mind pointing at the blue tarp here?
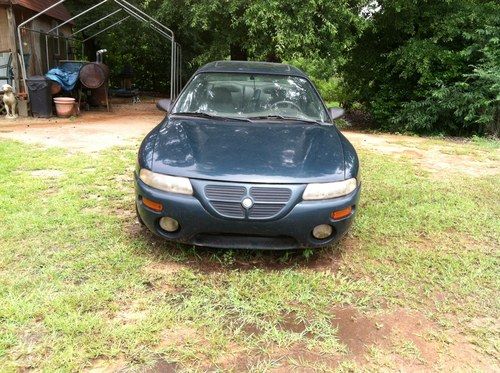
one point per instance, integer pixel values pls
(66, 79)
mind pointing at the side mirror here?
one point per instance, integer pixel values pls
(336, 112)
(165, 104)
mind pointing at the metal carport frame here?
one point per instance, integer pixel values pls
(175, 62)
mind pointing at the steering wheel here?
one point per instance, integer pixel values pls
(287, 103)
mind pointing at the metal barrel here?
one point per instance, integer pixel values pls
(94, 75)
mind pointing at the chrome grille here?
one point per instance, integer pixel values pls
(264, 210)
(263, 194)
(226, 200)
(230, 209)
(225, 192)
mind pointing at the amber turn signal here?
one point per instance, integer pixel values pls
(153, 205)
(336, 215)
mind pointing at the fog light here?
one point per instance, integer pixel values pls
(322, 231)
(169, 224)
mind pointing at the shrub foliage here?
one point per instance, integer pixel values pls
(429, 66)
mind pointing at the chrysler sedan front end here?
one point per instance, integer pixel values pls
(248, 157)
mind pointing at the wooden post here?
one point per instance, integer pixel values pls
(11, 19)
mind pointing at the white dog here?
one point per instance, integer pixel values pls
(10, 101)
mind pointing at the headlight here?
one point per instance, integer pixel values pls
(166, 183)
(329, 190)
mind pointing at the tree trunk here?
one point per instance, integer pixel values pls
(238, 53)
(272, 57)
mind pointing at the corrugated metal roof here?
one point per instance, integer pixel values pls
(59, 12)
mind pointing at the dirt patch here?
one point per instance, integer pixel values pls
(462, 354)
(402, 338)
(293, 323)
(251, 329)
(93, 131)
(389, 333)
(120, 365)
(433, 158)
(162, 366)
(163, 268)
(357, 332)
(179, 336)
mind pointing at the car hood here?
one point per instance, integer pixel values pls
(258, 152)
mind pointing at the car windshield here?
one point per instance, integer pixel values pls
(252, 96)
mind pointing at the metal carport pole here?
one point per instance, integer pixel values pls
(106, 29)
(78, 15)
(96, 22)
(137, 16)
(179, 73)
(173, 69)
(173, 62)
(129, 8)
(127, 4)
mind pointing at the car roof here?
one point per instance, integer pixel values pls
(251, 67)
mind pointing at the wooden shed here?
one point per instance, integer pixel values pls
(41, 51)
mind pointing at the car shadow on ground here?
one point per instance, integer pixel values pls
(206, 259)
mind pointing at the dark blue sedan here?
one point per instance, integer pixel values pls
(248, 157)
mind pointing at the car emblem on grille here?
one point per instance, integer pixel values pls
(247, 203)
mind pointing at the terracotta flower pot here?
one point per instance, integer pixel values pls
(65, 106)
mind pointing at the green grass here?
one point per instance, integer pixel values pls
(80, 281)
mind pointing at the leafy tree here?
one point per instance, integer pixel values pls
(270, 30)
(429, 66)
(318, 31)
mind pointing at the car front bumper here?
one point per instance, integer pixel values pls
(201, 227)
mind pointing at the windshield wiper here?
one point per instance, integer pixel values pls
(209, 116)
(281, 117)
(268, 117)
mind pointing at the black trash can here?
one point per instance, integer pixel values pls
(39, 88)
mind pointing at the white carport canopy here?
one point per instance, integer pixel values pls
(132, 11)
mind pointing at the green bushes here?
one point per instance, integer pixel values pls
(329, 89)
(323, 73)
(429, 67)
